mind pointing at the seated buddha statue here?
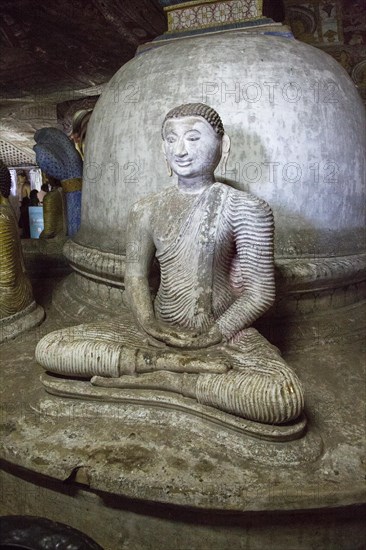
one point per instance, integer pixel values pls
(18, 310)
(53, 212)
(214, 247)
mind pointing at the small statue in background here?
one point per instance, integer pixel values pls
(57, 156)
(18, 310)
(53, 212)
(23, 186)
(214, 245)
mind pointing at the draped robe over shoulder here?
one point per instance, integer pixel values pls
(185, 295)
(221, 261)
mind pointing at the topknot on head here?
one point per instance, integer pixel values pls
(197, 109)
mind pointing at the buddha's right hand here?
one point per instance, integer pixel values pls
(171, 336)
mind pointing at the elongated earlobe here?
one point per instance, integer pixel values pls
(168, 167)
(225, 152)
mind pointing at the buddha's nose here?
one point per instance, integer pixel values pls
(180, 148)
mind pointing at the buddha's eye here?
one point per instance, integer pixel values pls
(193, 138)
(170, 139)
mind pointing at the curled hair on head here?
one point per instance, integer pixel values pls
(5, 181)
(197, 109)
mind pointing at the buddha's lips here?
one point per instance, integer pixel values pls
(183, 163)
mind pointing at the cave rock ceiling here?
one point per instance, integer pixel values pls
(52, 52)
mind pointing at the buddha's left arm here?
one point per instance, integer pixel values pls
(252, 225)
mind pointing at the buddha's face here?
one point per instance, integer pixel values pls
(192, 147)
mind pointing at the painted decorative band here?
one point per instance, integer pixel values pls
(259, 26)
(174, 5)
(206, 13)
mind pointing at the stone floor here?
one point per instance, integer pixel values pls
(137, 477)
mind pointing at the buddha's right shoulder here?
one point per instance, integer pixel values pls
(152, 201)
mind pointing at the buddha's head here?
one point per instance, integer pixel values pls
(194, 140)
(22, 178)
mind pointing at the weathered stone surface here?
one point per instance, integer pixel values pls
(307, 121)
(129, 476)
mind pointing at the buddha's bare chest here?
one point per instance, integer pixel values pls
(169, 215)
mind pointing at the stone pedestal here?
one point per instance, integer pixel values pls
(20, 322)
